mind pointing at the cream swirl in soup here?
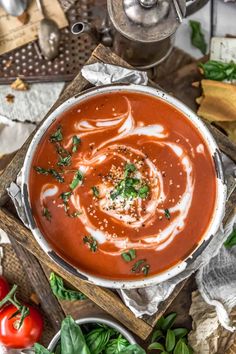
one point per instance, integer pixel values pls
(123, 185)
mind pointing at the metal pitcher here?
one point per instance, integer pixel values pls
(141, 31)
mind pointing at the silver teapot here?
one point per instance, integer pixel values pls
(141, 31)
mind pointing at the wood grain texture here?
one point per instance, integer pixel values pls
(40, 284)
(104, 298)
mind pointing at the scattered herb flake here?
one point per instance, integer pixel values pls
(129, 256)
(51, 172)
(78, 177)
(145, 269)
(75, 214)
(65, 196)
(76, 141)
(167, 214)
(144, 191)
(46, 213)
(95, 191)
(56, 136)
(137, 265)
(64, 161)
(91, 242)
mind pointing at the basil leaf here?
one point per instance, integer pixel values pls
(156, 345)
(133, 349)
(56, 136)
(58, 348)
(95, 191)
(160, 322)
(219, 71)
(41, 170)
(65, 196)
(54, 173)
(78, 177)
(197, 37)
(39, 349)
(61, 292)
(180, 332)
(167, 214)
(168, 321)
(145, 269)
(129, 256)
(98, 338)
(64, 161)
(231, 240)
(136, 267)
(76, 141)
(72, 338)
(114, 346)
(170, 340)
(157, 334)
(181, 348)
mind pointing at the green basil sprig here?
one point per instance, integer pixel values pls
(219, 71)
(197, 37)
(168, 340)
(61, 292)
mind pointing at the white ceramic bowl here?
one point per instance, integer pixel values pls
(110, 323)
(220, 186)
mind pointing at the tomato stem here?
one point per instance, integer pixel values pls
(8, 297)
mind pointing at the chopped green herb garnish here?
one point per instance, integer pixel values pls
(129, 168)
(130, 187)
(65, 196)
(95, 191)
(75, 214)
(137, 266)
(231, 240)
(41, 171)
(145, 269)
(129, 256)
(91, 242)
(78, 177)
(61, 151)
(64, 161)
(56, 136)
(218, 70)
(167, 214)
(143, 191)
(76, 141)
(46, 213)
(51, 172)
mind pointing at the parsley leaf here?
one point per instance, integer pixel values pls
(91, 242)
(56, 136)
(78, 177)
(76, 141)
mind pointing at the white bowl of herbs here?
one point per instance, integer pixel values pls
(92, 335)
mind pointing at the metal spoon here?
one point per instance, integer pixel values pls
(14, 7)
(49, 35)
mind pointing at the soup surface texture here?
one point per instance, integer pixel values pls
(122, 185)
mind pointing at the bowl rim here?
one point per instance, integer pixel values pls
(221, 189)
(125, 333)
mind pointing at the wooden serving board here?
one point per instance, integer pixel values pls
(35, 259)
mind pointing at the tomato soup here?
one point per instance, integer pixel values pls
(122, 185)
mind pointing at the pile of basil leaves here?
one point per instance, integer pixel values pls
(92, 339)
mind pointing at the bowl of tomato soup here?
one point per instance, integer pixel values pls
(123, 186)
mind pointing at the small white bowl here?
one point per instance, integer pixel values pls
(110, 323)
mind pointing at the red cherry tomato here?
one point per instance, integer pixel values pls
(4, 288)
(24, 337)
